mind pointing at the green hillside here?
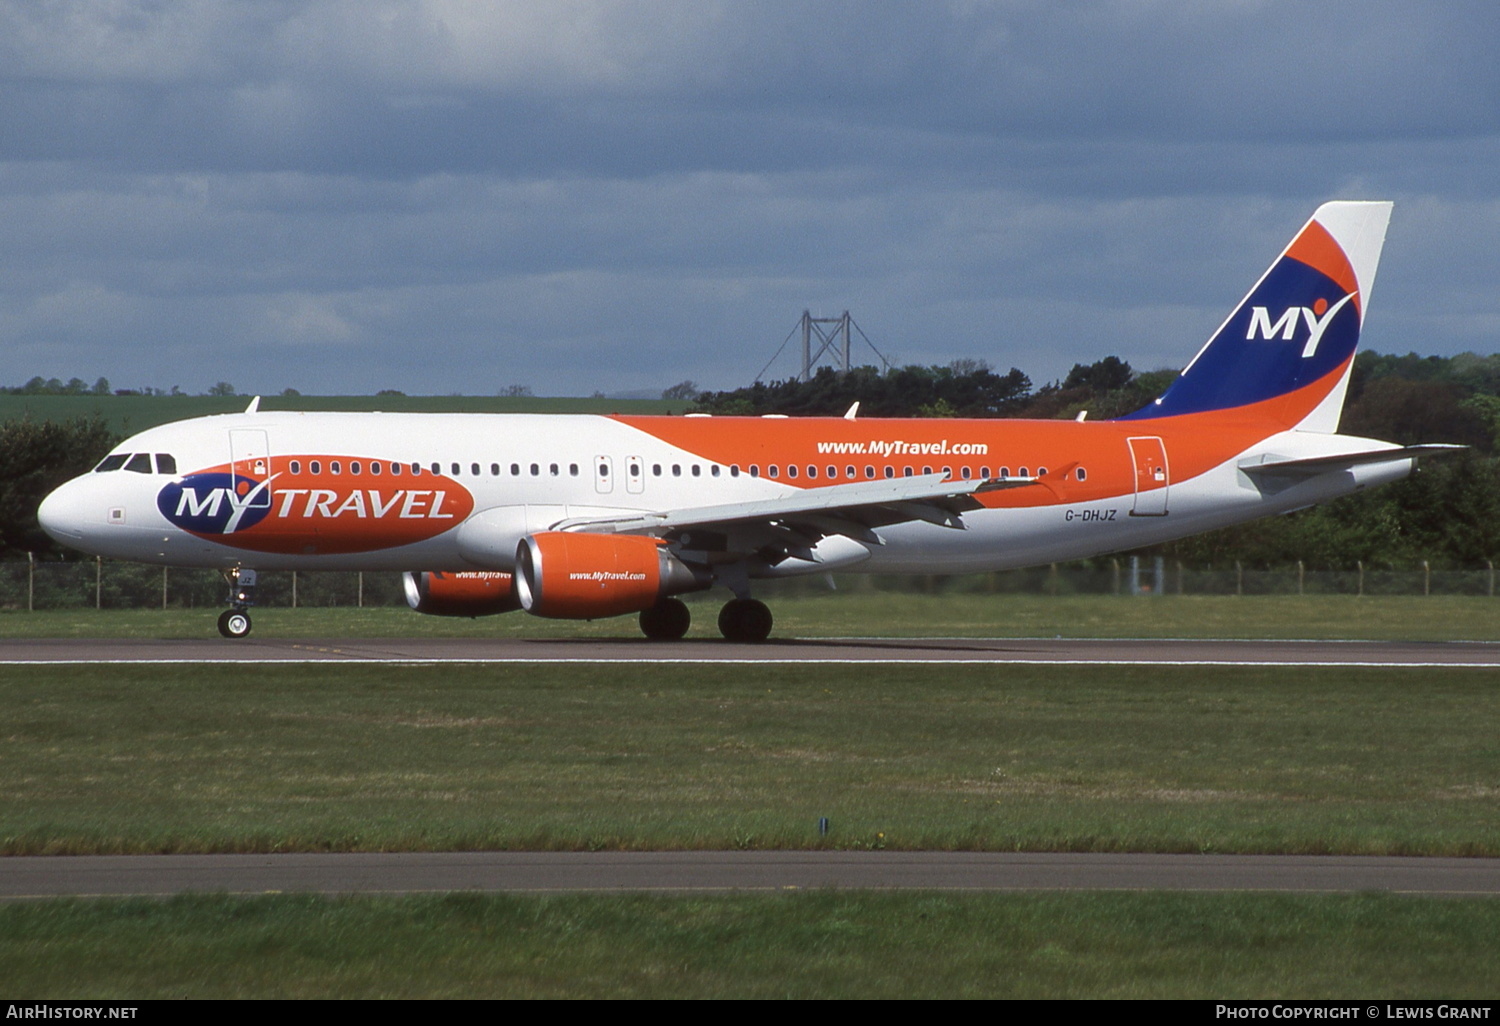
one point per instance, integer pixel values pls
(130, 413)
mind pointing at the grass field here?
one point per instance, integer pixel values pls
(131, 413)
(860, 614)
(808, 944)
(609, 756)
(221, 758)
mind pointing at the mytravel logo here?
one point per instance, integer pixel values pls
(215, 503)
(316, 505)
(1317, 318)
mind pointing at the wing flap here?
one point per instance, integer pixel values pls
(851, 509)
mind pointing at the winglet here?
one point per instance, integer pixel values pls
(254, 406)
(853, 411)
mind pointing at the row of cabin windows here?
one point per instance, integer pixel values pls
(139, 463)
(164, 463)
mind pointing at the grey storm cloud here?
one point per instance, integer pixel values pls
(451, 195)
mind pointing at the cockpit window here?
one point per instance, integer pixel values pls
(112, 462)
(140, 463)
(166, 463)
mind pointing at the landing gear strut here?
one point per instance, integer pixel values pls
(234, 622)
(668, 620)
(745, 620)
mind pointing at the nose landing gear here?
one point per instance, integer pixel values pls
(234, 622)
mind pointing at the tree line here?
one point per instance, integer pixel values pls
(1447, 514)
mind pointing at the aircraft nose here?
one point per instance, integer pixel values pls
(61, 514)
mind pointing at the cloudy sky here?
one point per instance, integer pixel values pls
(451, 196)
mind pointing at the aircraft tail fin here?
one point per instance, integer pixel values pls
(1287, 350)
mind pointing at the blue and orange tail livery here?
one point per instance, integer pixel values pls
(1286, 351)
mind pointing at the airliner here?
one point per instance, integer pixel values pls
(585, 517)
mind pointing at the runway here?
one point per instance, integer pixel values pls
(1025, 651)
(163, 875)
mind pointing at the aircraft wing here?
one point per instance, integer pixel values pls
(795, 521)
(1314, 465)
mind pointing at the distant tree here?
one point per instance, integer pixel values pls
(290, 392)
(36, 457)
(515, 391)
(965, 366)
(390, 391)
(681, 390)
(101, 387)
(223, 388)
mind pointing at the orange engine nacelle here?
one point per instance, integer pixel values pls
(461, 594)
(569, 576)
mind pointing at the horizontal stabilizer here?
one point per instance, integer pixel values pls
(1312, 465)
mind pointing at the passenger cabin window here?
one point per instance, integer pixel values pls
(1083, 475)
(416, 470)
(734, 470)
(890, 471)
(812, 471)
(296, 467)
(455, 469)
(494, 470)
(697, 470)
(755, 470)
(715, 470)
(552, 469)
(773, 471)
(791, 470)
(536, 470)
(114, 462)
(375, 467)
(573, 469)
(515, 470)
(677, 470)
(334, 467)
(395, 468)
(315, 467)
(354, 466)
(906, 472)
(656, 470)
(437, 468)
(140, 463)
(869, 471)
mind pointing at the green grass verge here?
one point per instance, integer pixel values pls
(808, 944)
(609, 756)
(864, 614)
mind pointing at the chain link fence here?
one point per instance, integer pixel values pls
(106, 584)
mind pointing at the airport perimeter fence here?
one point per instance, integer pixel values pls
(106, 584)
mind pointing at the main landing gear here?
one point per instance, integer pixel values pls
(745, 619)
(739, 620)
(234, 622)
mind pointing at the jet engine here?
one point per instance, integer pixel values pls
(460, 594)
(568, 576)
